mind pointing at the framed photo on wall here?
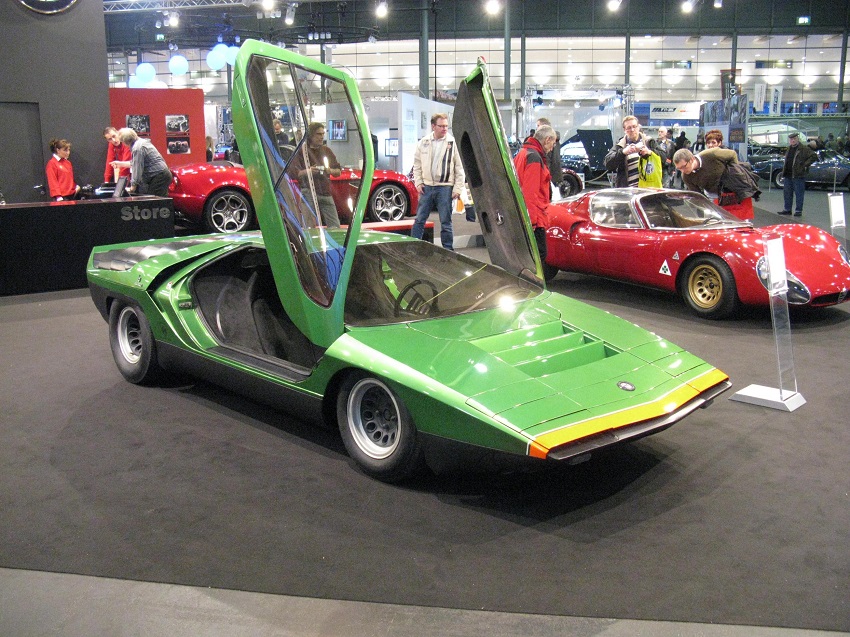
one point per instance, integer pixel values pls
(337, 132)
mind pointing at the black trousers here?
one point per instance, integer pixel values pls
(156, 184)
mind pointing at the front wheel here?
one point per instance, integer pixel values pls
(132, 343)
(228, 211)
(778, 179)
(708, 287)
(388, 203)
(377, 429)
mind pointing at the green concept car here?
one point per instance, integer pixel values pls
(417, 353)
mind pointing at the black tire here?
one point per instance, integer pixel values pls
(708, 287)
(388, 202)
(778, 179)
(549, 272)
(228, 210)
(570, 186)
(132, 343)
(377, 429)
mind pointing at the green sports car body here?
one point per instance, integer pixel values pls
(412, 350)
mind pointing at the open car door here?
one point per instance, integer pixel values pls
(309, 254)
(492, 179)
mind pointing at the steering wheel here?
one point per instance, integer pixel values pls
(418, 303)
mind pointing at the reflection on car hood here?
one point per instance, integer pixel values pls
(530, 368)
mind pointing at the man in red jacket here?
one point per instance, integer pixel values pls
(535, 180)
(117, 156)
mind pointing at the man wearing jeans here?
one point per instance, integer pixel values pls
(797, 161)
(438, 175)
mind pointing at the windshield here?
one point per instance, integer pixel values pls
(679, 209)
(308, 131)
(398, 281)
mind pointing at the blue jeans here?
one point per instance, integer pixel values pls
(795, 187)
(441, 196)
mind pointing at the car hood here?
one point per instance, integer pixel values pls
(534, 371)
(597, 143)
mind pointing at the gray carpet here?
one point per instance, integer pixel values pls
(739, 514)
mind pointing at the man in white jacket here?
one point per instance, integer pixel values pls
(439, 178)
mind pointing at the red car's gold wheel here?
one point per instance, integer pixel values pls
(708, 287)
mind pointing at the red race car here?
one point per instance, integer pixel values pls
(682, 242)
(215, 195)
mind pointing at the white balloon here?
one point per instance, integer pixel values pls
(178, 65)
(145, 72)
(135, 82)
(230, 56)
(215, 59)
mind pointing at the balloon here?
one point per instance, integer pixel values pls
(178, 65)
(230, 56)
(215, 59)
(145, 72)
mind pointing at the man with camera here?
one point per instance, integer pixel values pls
(624, 158)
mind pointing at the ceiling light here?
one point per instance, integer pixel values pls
(290, 14)
(268, 5)
(718, 4)
(613, 5)
(381, 9)
(173, 19)
(492, 7)
(687, 6)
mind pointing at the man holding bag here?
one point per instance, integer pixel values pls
(625, 158)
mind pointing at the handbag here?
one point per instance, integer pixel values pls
(649, 171)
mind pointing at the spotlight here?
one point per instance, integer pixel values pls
(290, 14)
(718, 4)
(492, 7)
(613, 5)
(158, 24)
(268, 5)
(381, 9)
(687, 6)
(173, 19)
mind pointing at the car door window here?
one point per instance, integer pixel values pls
(306, 102)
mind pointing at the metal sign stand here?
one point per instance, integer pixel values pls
(785, 397)
(838, 226)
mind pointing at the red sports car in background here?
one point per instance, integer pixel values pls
(215, 195)
(682, 242)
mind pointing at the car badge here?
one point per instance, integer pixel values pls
(625, 386)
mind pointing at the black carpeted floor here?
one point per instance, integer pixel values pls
(739, 514)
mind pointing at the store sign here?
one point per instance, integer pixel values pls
(686, 110)
(48, 6)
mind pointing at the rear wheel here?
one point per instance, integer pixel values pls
(132, 343)
(778, 179)
(388, 203)
(228, 211)
(708, 287)
(570, 185)
(377, 429)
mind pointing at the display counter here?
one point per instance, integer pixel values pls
(46, 246)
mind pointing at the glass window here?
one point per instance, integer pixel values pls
(312, 198)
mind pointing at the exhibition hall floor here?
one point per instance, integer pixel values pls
(186, 510)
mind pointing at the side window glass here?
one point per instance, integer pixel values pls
(309, 132)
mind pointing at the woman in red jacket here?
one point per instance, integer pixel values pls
(535, 181)
(60, 172)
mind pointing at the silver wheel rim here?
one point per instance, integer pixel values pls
(129, 335)
(390, 203)
(373, 418)
(229, 213)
